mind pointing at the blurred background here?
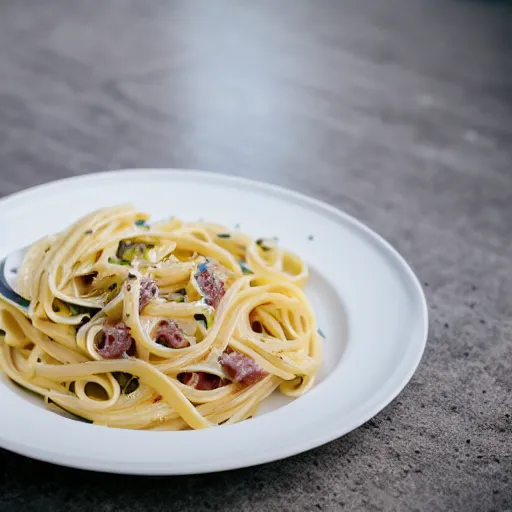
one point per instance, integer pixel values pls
(396, 111)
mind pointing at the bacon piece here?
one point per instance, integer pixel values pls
(117, 341)
(241, 368)
(169, 334)
(148, 290)
(211, 286)
(200, 380)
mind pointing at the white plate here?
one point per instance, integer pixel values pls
(368, 301)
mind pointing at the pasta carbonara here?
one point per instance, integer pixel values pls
(164, 326)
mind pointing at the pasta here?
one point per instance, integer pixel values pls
(164, 326)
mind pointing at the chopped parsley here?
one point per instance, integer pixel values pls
(321, 333)
(206, 319)
(245, 268)
(118, 262)
(78, 310)
(224, 235)
(128, 251)
(68, 309)
(127, 382)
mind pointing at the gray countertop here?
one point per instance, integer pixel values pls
(398, 112)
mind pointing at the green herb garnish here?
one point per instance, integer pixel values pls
(245, 268)
(127, 382)
(68, 309)
(141, 223)
(76, 309)
(118, 262)
(321, 333)
(206, 319)
(224, 235)
(132, 386)
(128, 251)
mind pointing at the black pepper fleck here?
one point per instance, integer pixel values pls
(128, 288)
(425, 283)
(482, 321)
(88, 232)
(468, 441)
(446, 325)
(311, 237)
(473, 288)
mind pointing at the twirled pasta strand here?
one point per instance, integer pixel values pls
(77, 283)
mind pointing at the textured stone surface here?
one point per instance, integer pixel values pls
(399, 112)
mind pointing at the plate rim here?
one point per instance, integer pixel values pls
(86, 463)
